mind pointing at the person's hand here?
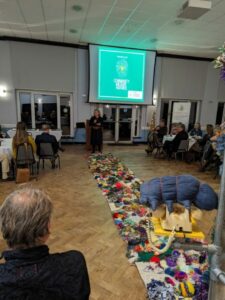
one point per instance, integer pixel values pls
(95, 121)
(98, 124)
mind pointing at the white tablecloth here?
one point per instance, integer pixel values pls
(6, 147)
(192, 140)
(34, 133)
(168, 138)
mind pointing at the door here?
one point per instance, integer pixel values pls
(187, 112)
(125, 124)
(220, 113)
(109, 124)
(121, 123)
(65, 115)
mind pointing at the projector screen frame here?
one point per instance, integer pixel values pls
(121, 102)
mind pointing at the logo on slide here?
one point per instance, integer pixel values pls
(122, 67)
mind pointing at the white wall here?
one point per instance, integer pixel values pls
(8, 103)
(183, 79)
(186, 79)
(43, 67)
(82, 109)
(51, 68)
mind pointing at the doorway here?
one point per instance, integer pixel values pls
(220, 113)
(121, 123)
(37, 108)
(184, 111)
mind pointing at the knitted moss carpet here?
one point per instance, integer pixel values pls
(175, 274)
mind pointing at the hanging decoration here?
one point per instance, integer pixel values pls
(219, 62)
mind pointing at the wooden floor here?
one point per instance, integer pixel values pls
(82, 219)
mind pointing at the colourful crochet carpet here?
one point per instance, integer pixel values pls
(175, 274)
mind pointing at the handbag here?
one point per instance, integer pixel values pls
(22, 175)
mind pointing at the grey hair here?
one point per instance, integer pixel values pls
(24, 217)
(45, 127)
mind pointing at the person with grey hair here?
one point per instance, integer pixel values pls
(29, 271)
(46, 137)
(172, 146)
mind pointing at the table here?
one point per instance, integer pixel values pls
(6, 147)
(192, 140)
(168, 138)
(34, 133)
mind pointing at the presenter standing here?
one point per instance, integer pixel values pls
(96, 124)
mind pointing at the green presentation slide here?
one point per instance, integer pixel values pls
(121, 74)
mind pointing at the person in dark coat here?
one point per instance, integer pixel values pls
(161, 129)
(156, 134)
(96, 124)
(209, 134)
(46, 137)
(172, 146)
(30, 272)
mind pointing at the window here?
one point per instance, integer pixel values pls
(38, 108)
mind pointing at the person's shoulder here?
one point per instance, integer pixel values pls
(30, 138)
(37, 137)
(72, 257)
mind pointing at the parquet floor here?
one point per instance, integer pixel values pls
(82, 219)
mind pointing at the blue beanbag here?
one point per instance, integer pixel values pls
(183, 189)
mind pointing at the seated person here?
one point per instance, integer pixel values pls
(46, 137)
(173, 130)
(209, 134)
(156, 134)
(30, 271)
(196, 131)
(22, 137)
(5, 167)
(161, 129)
(172, 146)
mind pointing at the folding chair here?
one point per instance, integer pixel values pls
(25, 158)
(46, 153)
(183, 148)
(157, 146)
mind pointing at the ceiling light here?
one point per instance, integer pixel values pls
(73, 30)
(2, 91)
(77, 7)
(194, 9)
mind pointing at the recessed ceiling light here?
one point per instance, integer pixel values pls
(73, 30)
(77, 7)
